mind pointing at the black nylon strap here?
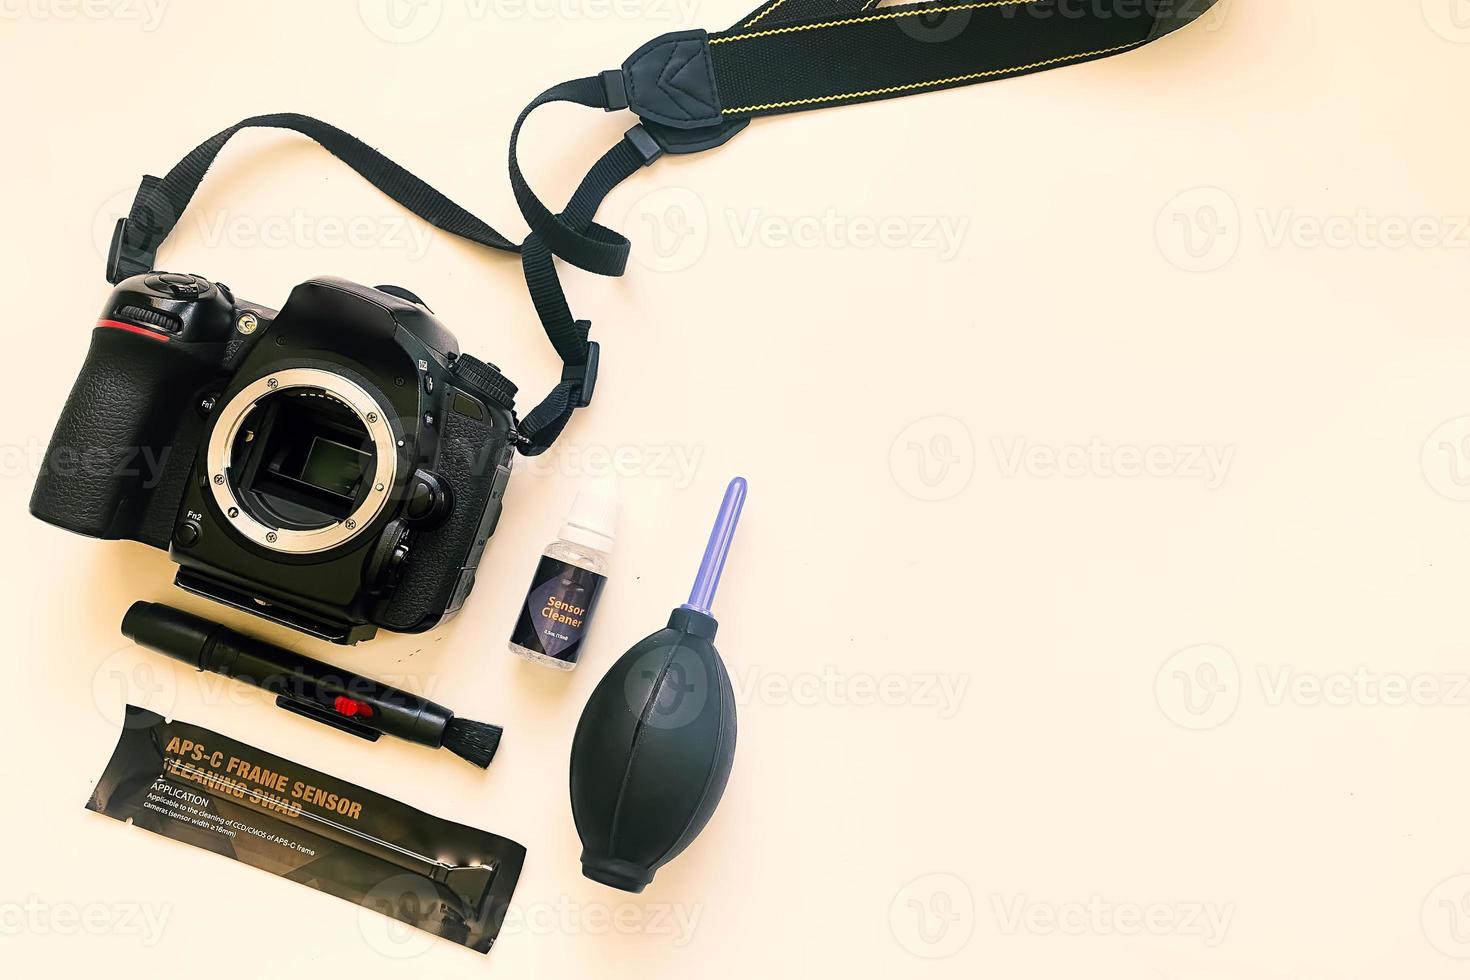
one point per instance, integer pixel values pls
(585, 244)
(573, 236)
(161, 202)
(568, 335)
(580, 358)
(793, 55)
(694, 91)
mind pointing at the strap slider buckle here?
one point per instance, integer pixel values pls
(584, 374)
(614, 90)
(642, 141)
(124, 259)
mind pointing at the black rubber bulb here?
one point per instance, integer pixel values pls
(656, 741)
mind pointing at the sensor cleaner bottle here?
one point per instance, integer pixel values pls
(564, 590)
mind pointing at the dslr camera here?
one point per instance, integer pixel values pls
(336, 467)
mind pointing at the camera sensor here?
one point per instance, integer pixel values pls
(302, 460)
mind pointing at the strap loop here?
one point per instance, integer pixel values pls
(160, 202)
(592, 247)
(136, 238)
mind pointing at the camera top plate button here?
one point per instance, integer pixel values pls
(182, 286)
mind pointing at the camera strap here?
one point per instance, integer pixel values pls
(795, 55)
(160, 202)
(692, 91)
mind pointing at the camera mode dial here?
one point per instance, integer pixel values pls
(486, 380)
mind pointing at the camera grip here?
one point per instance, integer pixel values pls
(116, 432)
(442, 561)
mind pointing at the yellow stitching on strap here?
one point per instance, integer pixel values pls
(763, 13)
(863, 20)
(939, 81)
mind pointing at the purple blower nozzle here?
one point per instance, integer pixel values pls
(702, 596)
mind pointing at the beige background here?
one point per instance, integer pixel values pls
(1099, 608)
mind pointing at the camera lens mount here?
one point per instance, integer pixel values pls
(301, 460)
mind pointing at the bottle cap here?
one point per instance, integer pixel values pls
(593, 520)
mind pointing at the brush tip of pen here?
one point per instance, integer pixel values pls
(473, 741)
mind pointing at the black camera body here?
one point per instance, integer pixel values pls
(336, 467)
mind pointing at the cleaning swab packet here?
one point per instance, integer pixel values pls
(197, 786)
